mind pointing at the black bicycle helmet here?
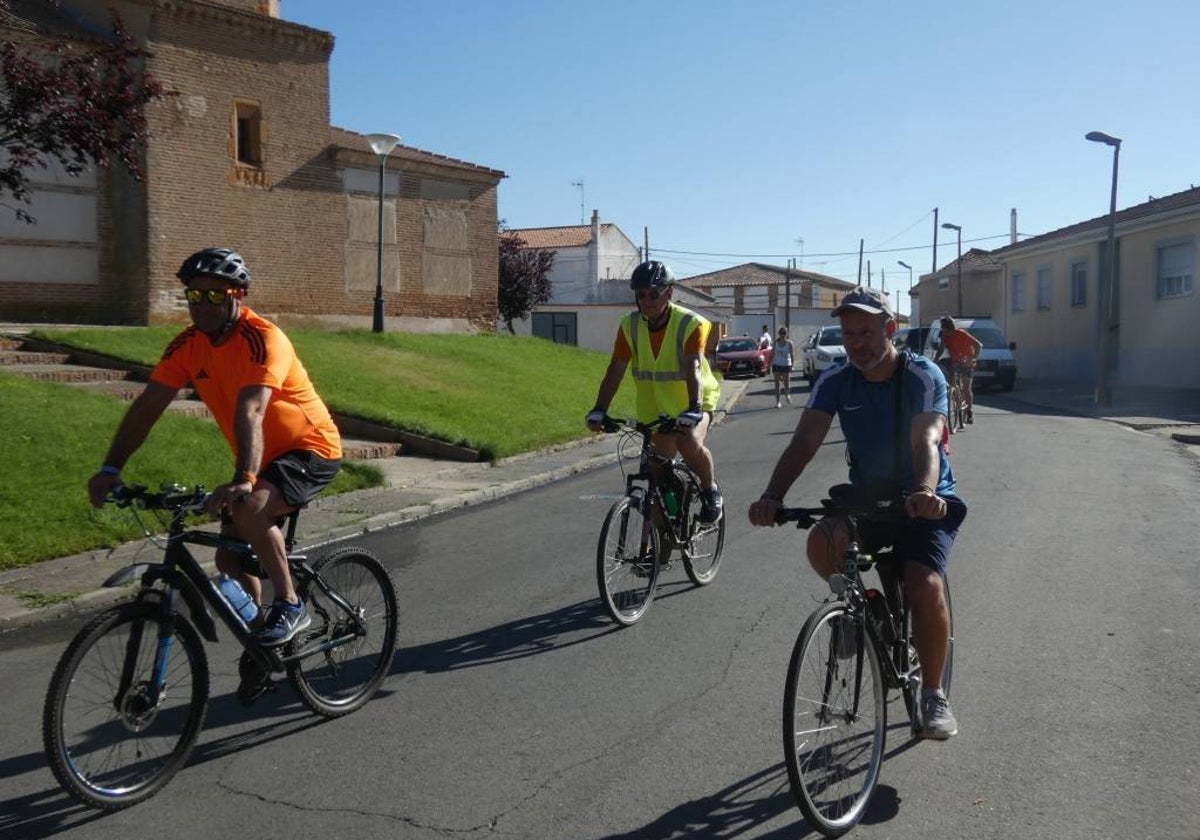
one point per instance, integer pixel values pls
(651, 275)
(225, 263)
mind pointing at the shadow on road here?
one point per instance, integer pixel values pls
(51, 811)
(729, 812)
(554, 630)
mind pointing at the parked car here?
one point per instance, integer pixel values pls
(996, 364)
(911, 337)
(821, 351)
(741, 357)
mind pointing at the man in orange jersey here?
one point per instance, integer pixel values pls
(962, 348)
(286, 447)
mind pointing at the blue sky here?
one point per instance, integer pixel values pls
(737, 128)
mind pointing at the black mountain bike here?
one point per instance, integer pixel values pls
(852, 651)
(660, 512)
(128, 697)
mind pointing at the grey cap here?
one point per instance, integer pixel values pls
(864, 300)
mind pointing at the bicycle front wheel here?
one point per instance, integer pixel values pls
(702, 552)
(362, 640)
(112, 737)
(627, 562)
(834, 720)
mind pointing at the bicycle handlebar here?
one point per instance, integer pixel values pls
(882, 510)
(174, 498)
(663, 424)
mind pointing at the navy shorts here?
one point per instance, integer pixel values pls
(924, 541)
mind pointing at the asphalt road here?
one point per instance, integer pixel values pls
(516, 709)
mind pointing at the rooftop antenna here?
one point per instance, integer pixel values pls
(579, 185)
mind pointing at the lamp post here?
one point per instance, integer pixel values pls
(1105, 320)
(903, 264)
(382, 145)
(957, 229)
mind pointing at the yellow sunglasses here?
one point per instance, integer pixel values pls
(214, 296)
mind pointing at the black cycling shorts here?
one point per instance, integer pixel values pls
(300, 475)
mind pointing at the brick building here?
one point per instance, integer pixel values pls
(242, 154)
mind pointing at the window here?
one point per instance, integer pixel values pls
(1018, 292)
(1045, 287)
(247, 133)
(1079, 283)
(559, 327)
(1175, 266)
(943, 282)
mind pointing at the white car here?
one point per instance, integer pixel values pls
(822, 350)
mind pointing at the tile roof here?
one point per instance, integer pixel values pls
(761, 274)
(1174, 201)
(357, 142)
(975, 258)
(568, 236)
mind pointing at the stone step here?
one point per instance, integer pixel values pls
(190, 408)
(67, 373)
(7, 343)
(367, 450)
(10, 356)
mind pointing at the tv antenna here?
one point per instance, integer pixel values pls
(579, 185)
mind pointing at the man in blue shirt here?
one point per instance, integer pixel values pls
(862, 395)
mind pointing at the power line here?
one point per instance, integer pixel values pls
(829, 253)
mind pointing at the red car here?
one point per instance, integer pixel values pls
(741, 357)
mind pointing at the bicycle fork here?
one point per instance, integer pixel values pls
(134, 701)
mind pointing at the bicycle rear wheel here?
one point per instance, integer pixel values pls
(343, 678)
(627, 562)
(834, 720)
(111, 748)
(702, 552)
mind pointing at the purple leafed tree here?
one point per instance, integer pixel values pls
(76, 102)
(524, 277)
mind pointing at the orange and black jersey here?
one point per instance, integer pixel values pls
(258, 354)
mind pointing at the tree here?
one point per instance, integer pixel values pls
(524, 277)
(75, 102)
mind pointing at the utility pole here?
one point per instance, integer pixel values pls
(787, 296)
(646, 239)
(860, 253)
(935, 230)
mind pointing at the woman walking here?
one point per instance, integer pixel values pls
(781, 367)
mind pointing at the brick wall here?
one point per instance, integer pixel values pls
(288, 217)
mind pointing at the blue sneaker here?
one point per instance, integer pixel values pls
(283, 622)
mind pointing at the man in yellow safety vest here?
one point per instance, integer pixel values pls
(665, 343)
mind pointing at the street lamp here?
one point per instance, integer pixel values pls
(382, 145)
(1106, 318)
(957, 229)
(903, 264)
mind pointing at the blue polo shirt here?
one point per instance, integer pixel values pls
(866, 412)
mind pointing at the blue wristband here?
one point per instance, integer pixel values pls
(109, 469)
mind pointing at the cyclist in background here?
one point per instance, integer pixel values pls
(286, 447)
(665, 344)
(963, 349)
(862, 394)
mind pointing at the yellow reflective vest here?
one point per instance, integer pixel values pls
(661, 381)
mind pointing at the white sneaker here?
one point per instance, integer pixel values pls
(777, 404)
(937, 721)
(789, 399)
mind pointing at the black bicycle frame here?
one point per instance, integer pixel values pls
(183, 577)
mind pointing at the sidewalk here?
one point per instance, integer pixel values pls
(420, 487)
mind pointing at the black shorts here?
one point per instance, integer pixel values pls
(300, 475)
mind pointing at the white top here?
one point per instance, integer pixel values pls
(764, 341)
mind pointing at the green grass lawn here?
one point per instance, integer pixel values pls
(496, 393)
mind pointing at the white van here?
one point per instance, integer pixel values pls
(996, 366)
